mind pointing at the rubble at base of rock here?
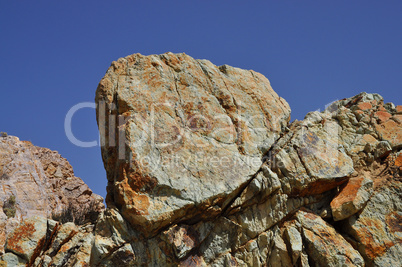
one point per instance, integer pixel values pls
(327, 191)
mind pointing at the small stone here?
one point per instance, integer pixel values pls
(351, 198)
(391, 131)
(324, 214)
(398, 109)
(364, 106)
(383, 149)
(370, 158)
(390, 107)
(382, 116)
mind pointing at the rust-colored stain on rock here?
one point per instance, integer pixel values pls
(319, 186)
(398, 161)
(348, 192)
(391, 131)
(365, 106)
(383, 116)
(126, 195)
(373, 247)
(394, 222)
(21, 234)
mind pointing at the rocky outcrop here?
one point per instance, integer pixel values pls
(190, 135)
(204, 169)
(36, 181)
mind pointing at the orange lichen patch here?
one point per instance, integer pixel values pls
(319, 187)
(64, 248)
(365, 106)
(136, 181)
(398, 161)
(382, 116)
(22, 233)
(138, 203)
(368, 235)
(348, 192)
(173, 61)
(394, 222)
(390, 131)
(104, 86)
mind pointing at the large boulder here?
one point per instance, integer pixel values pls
(181, 137)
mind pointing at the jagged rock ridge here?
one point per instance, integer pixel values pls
(325, 191)
(40, 182)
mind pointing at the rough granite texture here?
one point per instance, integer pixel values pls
(325, 191)
(181, 118)
(41, 181)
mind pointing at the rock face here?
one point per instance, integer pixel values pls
(191, 135)
(36, 181)
(325, 191)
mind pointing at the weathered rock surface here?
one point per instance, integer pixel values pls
(377, 230)
(192, 137)
(351, 198)
(40, 182)
(325, 191)
(324, 245)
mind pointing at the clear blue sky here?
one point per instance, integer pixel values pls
(54, 53)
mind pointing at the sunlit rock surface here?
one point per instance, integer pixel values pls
(192, 135)
(40, 182)
(325, 191)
